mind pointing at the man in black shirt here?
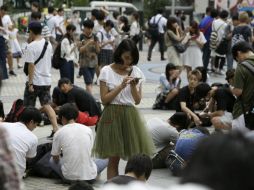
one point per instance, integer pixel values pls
(220, 106)
(83, 100)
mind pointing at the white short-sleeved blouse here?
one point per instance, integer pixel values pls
(113, 79)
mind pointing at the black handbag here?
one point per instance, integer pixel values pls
(179, 46)
(175, 163)
(40, 57)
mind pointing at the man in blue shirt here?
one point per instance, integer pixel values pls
(206, 27)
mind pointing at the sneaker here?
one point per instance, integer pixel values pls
(148, 59)
(51, 135)
(78, 76)
(12, 73)
(20, 66)
(163, 59)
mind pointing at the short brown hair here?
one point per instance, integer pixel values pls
(244, 17)
(196, 73)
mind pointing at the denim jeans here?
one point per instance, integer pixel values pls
(67, 70)
(3, 54)
(101, 164)
(206, 55)
(230, 61)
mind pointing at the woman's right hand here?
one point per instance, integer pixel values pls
(126, 81)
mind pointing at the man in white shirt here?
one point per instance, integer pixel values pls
(51, 22)
(60, 28)
(39, 74)
(161, 21)
(22, 141)
(74, 141)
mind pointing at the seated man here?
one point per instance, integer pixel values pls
(22, 141)
(74, 142)
(220, 106)
(138, 168)
(163, 135)
(83, 100)
(187, 96)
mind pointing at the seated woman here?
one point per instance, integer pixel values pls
(170, 83)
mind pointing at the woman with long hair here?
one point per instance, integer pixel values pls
(172, 36)
(68, 53)
(192, 57)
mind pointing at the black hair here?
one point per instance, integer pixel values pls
(202, 90)
(140, 165)
(36, 4)
(4, 8)
(160, 11)
(36, 15)
(242, 46)
(224, 14)
(171, 20)
(230, 74)
(235, 16)
(214, 13)
(169, 67)
(109, 23)
(68, 111)
(127, 45)
(75, 12)
(35, 27)
(249, 13)
(203, 72)
(88, 23)
(115, 14)
(95, 12)
(180, 119)
(69, 27)
(60, 9)
(81, 185)
(100, 16)
(63, 81)
(135, 15)
(221, 161)
(30, 114)
(208, 10)
(51, 9)
(126, 27)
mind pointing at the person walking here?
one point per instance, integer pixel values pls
(161, 21)
(121, 132)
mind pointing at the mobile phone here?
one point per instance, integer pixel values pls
(136, 79)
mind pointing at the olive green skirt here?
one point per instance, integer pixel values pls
(121, 132)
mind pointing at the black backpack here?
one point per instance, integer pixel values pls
(154, 28)
(56, 58)
(16, 109)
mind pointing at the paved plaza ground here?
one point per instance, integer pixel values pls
(14, 88)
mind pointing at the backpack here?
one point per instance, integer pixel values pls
(16, 109)
(237, 38)
(214, 38)
(154, 28)
(56, 58)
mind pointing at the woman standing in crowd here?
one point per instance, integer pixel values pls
(172, 36)
(135, 28)
(68, 54)
(121, 132)
(192, 57)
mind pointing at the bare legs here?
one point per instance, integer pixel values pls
(112, 170)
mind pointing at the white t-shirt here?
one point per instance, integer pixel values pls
(103, 37)
(219, 25)
(161, 24)
(162, 133)
(6, 21)
(112, 80)
(135, 29)
(76, 142)
(51, 21)
(23, 143)
(42, 71)
(60, 24)
(66, 48)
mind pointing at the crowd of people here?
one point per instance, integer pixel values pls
(107, 48)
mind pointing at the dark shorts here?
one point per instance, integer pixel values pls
(88, 74)
(105, 57)
(43, 92)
